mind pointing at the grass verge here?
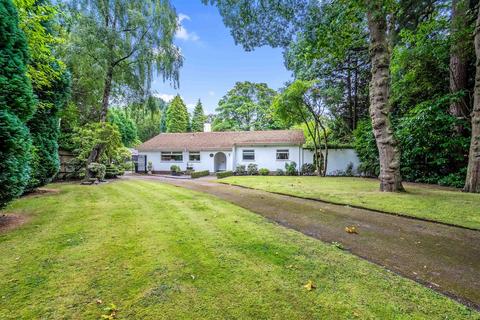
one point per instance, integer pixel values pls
(421, 201)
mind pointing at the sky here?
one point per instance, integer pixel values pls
(212, 61)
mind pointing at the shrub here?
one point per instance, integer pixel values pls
(111, 171)
(198, 174)
(240, 170)
(264, 172)
(175, 169)
(349, 170)
(224, 174)
(291, 168)
(96, 170)
(128, 166)
(149, 166)
(280, 172)
(308, 169)
(252, 169)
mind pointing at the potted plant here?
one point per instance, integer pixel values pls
(149, 167)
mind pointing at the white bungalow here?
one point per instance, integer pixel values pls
(223, 151)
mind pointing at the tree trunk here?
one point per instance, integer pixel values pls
(472, 182)
(98, 149)
(389, 154)
(458, 61)
(107, 89)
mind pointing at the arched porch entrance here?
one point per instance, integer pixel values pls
(220, 162)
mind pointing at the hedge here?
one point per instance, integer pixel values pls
(198, 174)
(221, 175)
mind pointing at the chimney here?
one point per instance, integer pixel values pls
(207, 127)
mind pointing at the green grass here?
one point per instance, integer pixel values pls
(161, 252)
(421, 201)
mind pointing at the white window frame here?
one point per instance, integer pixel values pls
(194, 153)
(171, 153)
(283, 151)
(248, 151)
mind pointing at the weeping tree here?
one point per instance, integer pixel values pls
(126, 42)
(302, 102)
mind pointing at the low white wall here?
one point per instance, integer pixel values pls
(338, 159)
(266, 156)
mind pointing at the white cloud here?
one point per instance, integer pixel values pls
(182, 32)
(211, 93)
(164, 96)
(190, 107)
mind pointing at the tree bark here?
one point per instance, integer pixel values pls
(458, 61)
(472, 182)
(389, 154)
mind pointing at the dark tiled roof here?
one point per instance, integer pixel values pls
(197, 141)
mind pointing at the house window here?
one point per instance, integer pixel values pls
(248, 155)
(283, 154)
(194, 156)
(176, 156)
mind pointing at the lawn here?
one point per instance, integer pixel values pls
(162, 252)
(419, 200)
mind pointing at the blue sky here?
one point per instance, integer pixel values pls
(213, 63)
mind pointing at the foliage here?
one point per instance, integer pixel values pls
(126, 126)
(149, 166)
(240, 170)
(199, 174)
(224, 174)
(366, 149)
(252, 169)
(198, 118)
(246, 107)
(175, 168)
(177, 115)
(44, 130)
(114, 50)
(17, 104)
(264, 171)
(104, 134)
(431, 150)
(308, 169)
(112, 171)
(97, 170)
(291, 168)
(279, 172)
(302, 103)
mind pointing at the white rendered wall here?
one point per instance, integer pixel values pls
(266, 157)
(338, 159)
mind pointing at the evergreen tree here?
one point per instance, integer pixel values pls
(177, 116)
(51, 84)
(17, 104)
(198, 118)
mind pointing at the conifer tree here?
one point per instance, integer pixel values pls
(198, 118)
(177, 116)
(17, 104)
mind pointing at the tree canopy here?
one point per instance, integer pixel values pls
(246, 107)
(177, 116)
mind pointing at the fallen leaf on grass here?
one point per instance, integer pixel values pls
(99, 301)
(351, 229)
(310, 285)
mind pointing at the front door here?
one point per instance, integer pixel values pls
(220, 162)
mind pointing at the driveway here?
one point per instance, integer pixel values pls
(444, 258)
